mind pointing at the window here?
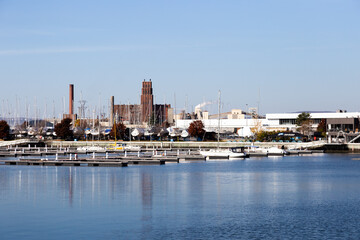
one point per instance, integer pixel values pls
(287, 121)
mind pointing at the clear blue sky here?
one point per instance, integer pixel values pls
(301, 55)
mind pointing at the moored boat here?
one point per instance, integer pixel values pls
(218, 153)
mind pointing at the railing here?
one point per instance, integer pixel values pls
(15, 142)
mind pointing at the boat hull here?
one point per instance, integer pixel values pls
(222, 154)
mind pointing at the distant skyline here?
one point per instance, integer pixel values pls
(300, 55)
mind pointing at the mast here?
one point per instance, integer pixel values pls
(258, 105)
(129, 115)
(100, 116)
(175, 110)
(218, 136)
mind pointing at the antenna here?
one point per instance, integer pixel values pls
(82, 106)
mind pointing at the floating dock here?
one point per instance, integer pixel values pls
(69, 156)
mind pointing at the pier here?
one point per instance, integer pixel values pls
(68, 155)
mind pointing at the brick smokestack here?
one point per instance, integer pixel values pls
(71, 99)
(112, 111)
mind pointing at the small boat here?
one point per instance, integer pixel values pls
(116, 146)
(232, 153)
(219, 153)
(91, 149)
(94, 132)
(138, 132)
(87, 131)
(132, 148)
(275, 151)
(184, 134)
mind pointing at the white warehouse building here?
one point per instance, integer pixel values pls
(336, 121)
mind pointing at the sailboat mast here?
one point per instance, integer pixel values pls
(218, 136)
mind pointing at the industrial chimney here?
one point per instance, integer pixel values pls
(71, 99)
(112, 111)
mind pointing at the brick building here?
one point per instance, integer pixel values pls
(145, 112)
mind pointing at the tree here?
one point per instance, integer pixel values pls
(304, 123)
(257, 129)
(4, 129)
(63, 130)
(301, 118)
(321, 128)
(120, 131)
(196, 129)
(264, 136)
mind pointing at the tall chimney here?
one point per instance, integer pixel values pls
(71, 99)
(112, 111)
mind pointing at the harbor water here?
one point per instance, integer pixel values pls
(294, 197)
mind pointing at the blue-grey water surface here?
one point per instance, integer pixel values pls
(300, 197)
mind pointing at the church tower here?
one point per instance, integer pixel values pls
(147, 100)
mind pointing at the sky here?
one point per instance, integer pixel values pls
(278, 55)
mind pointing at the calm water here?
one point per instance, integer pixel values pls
(306, 197)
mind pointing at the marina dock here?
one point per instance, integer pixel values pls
(70, 156)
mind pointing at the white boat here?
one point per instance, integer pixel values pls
(256, 151)
(91, 149)
(184, 133)
(138, 132)
(94, 132)
(265, 151)
(275, 151)
(132, 148)
(219, 153)
(174, 132)
(223, 154)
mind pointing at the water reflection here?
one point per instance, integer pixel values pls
(250, 197)
(248, 183)
(147, 199)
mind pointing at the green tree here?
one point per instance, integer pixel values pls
(63, 130)
(120, 131)
(304, 123)
(196, 129)
(265, 136)
(301, 118)
(4, 129)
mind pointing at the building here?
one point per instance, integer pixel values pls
(147, 101)
(340, 120)
(343, 122)
(146, 111)
(129, 113)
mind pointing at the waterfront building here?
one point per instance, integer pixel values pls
(343, 122)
